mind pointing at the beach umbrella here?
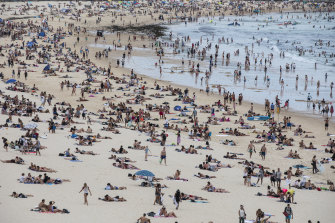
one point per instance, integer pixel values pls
(177, 108)
(47, 67)
(10, 81)
(144, 173)
(30, 126)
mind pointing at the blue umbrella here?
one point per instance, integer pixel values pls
(177, 108)
(10, 81)
(144, 173)
(47, 67)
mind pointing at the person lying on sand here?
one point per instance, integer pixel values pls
(203, 176)
(228, 142)
(17, 160)
(121, 159)
(192, 197)
(20, 195)
(85, 152)
(150, 184)
(123, 165)
(190, 150)
(41, 169)
(232, 156)
(108, 198)
(210, 188)
(119, 151)
(110, 187)
(163, 213)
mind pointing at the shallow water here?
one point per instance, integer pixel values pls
(267, 29)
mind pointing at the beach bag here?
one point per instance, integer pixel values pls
(285, 213)
(151, 214)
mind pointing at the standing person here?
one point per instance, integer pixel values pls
(263, 152)
(251, 148)
(163, 156)
(86, 190)
(288, 213)
(278, 177)
(5, 143)
(260, 175)
(163, 135)
(178, 138)
(314, 162)
(242, 215)
(194, 113)
(158, 191)
(177, 198)
(326, 123)
(146, 150)
(38, 147)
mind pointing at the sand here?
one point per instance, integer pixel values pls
(98, 170)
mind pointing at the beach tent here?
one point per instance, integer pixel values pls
(42, 34)
(47, 67)
(10, 81)
(144, 173)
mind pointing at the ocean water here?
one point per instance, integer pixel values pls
(263, 35)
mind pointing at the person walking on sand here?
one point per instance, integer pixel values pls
(241, 214)
(86, 190)
(314, 162)
(163, 156)
(288, 213)
(251, 148)
(146, 151)
(326, 123)
(177, 199)
(263, 152)
(178, 138)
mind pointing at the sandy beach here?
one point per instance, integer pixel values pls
(98, 106)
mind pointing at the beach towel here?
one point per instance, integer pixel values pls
(203, 202)
(181, 179)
